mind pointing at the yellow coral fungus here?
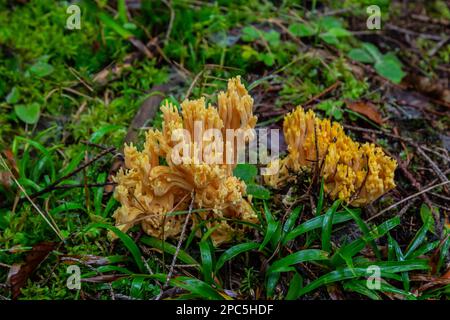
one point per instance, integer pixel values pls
(355, 173)
(150, 191)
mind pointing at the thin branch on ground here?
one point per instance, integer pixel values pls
(74, 172)
(180, 240)
(407, 199)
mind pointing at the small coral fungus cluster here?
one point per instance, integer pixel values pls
(169, 177)
(355, 173)
(155, 185)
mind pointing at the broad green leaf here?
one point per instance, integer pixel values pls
(329, 22)
(302, 30)
(373, 51)
(332, 36)
(13, 96)
(272, 37)
(389, 70)
(250, 34)
(28, 113)
(41, 69)
(245, 172)
(267, 58)
(361, 55)
(258, 191)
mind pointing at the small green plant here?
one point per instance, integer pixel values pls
(386, 65)
(269, 39)
(332, 108)
(329, 29)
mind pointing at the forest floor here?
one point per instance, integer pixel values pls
(70, 99)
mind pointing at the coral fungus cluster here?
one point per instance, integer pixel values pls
(173, 173)
(355, 173)
(155, 185)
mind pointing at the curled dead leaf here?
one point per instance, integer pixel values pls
(20, 272)
(367, 109)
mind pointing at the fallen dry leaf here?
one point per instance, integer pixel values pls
(446, 275)
(5, 175)
(88, 259)
(367, 109)
(20, 272)
(104, 278)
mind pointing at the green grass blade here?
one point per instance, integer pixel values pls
(109, 22)
(445, 251)
(122, 11)
(100, 133)
(346, 252)
(272, 226)
(388, 270)
(168, 248)
(360, 286)
(294, 287)
(314, 223)
(285, 263)
(327, 226)
(419, 237)
(207, 261)
(400, 257)
(127, 241)
(290, 222)
(424, 249)
(233, 252)
(271, 282)
(43, 150)
(364, 229)
(192, 285)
